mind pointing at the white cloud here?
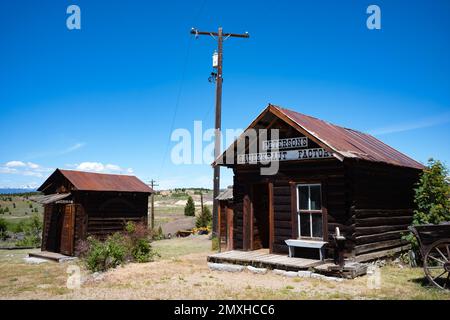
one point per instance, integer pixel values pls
(91, 166)
(413, 125)
(32, 174)
(33, 165)
(75, 147)
(113, 167)
(56, 153)
(102, 168)
(24, 168)
(7, 170)
(15, 163)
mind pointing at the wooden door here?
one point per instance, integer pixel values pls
(68, 228)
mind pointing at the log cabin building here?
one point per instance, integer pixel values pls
(79, 204)
(330, 180)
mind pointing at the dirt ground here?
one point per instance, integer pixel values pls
(182, 273)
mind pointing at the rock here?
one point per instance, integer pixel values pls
(326, 278)
(290, 274)
(257, 270)
(97, 276)
(33, 260)
(278, 272)
(335, 279)
(225, 267)
(304, 274)
(317, 276)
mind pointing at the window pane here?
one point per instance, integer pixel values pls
(305, 225)
(303, 197)
(315, 198)
(317, 225)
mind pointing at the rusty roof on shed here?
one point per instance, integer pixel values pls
(342, 142)
(89, 181)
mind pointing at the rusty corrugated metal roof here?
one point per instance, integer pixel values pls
(89, 181)
(350, 143)
(342, 142)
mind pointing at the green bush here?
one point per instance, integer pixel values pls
(204, 219)
(117, 249)
(142, 251)
(432, 198)
(189, 209)
(103, 255)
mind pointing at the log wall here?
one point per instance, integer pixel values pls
(382, 206)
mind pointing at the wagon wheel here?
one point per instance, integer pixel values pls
(437, 264)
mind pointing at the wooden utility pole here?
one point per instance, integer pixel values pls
(152, 218)
(220, 36)
(201, 202)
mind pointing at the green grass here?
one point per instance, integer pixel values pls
(176, 247)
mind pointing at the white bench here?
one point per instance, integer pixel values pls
(292, 243)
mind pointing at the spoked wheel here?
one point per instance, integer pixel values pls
(437, 264)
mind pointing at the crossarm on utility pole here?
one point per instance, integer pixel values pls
(216, 34)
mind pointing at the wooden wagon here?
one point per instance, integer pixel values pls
(434, 241)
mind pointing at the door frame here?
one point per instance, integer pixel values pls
(248, 217)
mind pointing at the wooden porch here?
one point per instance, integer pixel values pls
(263, 259)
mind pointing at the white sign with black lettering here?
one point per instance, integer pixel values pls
(288, 155)
(289, 143)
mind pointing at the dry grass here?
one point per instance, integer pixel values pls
(182, 273)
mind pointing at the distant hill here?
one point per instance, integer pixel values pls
(15, 191)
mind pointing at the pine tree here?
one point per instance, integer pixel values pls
(204, 219)
(189, 209)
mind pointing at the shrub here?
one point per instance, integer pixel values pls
(189, 209)
(103, 255)
(432, 198)
(142, 251)
(131, 245)
(204, 219)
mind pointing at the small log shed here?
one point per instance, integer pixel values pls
(79, 204)
(329, 177)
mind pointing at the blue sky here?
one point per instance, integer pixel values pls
(104, 97)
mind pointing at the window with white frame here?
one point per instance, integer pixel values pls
(309, 211)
